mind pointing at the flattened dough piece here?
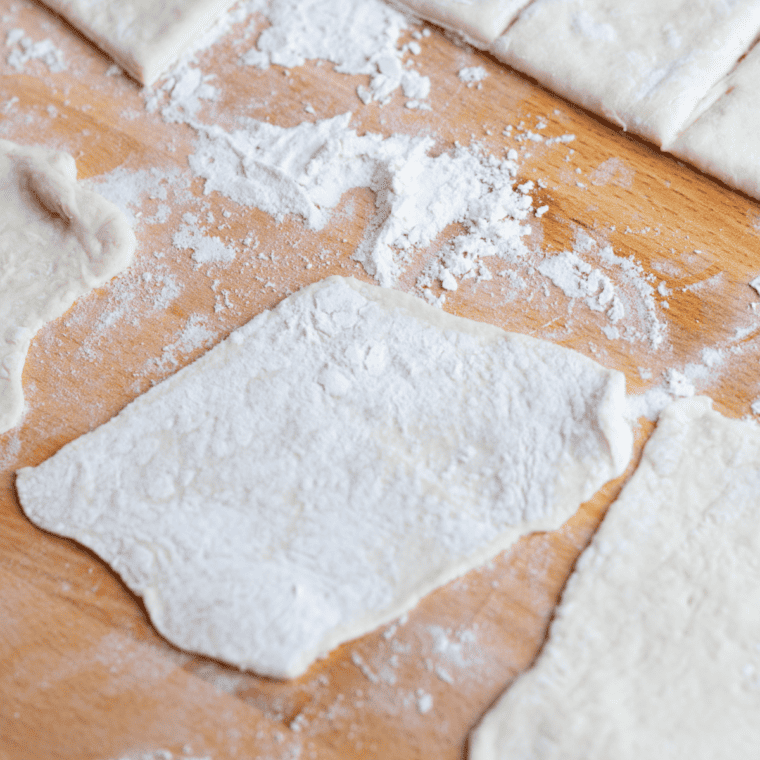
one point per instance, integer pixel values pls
(480, 21)
(725, 141)
(58, 241)
(145, 37)
(336, 458)
(643, 65)
(655, 648)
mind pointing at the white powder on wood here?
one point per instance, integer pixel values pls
(357, 36)
(206, 248)
(472, 75)
(306, 169)
(25, 49)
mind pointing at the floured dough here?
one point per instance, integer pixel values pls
(644, 65)
(655, 649)
(480, 21)
(332, 461)
(724, 141)
(58, 241)
(144, 37)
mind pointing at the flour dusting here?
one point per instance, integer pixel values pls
(206, 249)
(305, 170)
(357, 36)
(472, 76)
(24, 49)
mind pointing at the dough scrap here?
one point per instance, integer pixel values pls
(643, 65)
(144, 37)
(724, 141)
(479, 21)
(655, 648)
(333, 460)
(58, 241)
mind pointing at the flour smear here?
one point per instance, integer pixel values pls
(305, 170)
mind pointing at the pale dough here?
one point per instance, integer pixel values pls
(58, 241)
(654, 651)
(480, 21)
(145, 37)
(336, 458)
(644, 65)
(725, 140)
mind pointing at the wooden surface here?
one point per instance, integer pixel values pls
(82, 672)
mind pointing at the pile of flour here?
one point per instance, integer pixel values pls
(306, 170)
(357, 36)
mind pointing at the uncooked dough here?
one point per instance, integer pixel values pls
(643, 65)
(58, 241)
(333, 460)
(724, 141)
(654, 651)
(144, 37)
(480, 21)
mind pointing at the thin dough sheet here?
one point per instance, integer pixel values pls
(480, 21)
(144, 37)
(654, 651)
(725, 140)
(315, 474)
(58, 241)
(644, 65)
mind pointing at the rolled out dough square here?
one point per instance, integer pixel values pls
(145, 37)
(311, 477)
(654, 651)
(725, 140)
(644, 65)
(480, 21)
(58, 241)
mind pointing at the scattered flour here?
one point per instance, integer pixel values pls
(367, 672)
(306, 169)
(357, 36)
(613, 171)
(132, 190)
(632, 275)
(578, 279)
(677, 383)
(180, 96)
(205, 248)
(25, 49)
(424, 702)
(458, 648)
(472, 75)
(195, 334)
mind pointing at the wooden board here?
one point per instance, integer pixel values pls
(82, 672)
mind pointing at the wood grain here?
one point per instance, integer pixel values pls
(82, 672)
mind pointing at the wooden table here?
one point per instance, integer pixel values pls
(82, 672)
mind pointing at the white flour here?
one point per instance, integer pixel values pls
(472, 75)
(25, 49)
(195, 334)
(641, 302)
(207, 249)
(357, 36)
(578, 279)
(305, 171)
